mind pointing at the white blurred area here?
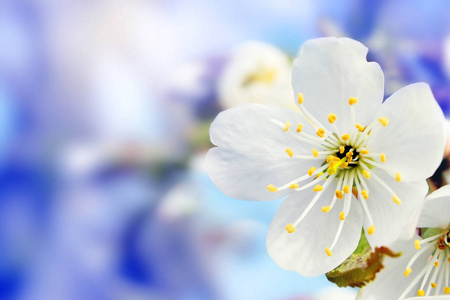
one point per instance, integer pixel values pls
(105, 107)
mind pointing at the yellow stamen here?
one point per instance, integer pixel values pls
(330, 158)
(318, 188)
(326, 208)
(318, 175)
(398, 177)
(315, 152)
(328, 251)
(371, 230)
(342, 216)
(352, 100)
(311, 171)
(289, 152)
(383, 157)
(290, 228)
(360, 127)
(433, 285)
(365, 194)
(384, 121)
(417, 244)
(341, 149)
(300, 98)
(272, 188)
(366, 174)
(320, 132)
(332, 118)
(331, 170)
(344, 165)
(447, 290)
(293, 186)
(346, 189)
(339, 194)
(299, 127)
(349, 153)
(336, 158)
(345, 137)
(286, 128)
(396, 200)
(407, 272)
(420, 292)
(364, 151)
(436, 264)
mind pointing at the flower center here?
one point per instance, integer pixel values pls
(346, 165)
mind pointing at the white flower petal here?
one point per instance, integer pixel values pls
(414, 139)
(390, 283)
(390, 218)
(258, 128)
(252, 151)
(303, 250)
(328, 71)
(436, 210)
(247, 175)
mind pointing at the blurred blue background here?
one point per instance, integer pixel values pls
(105, 107)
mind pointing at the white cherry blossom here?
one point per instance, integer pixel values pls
(347, 160)
(423, 270)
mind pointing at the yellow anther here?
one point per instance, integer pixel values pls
(345, 137)
(315, 152)
(398, 177)
(342, 216)
(396, 200)
(352, 100)
(366, 174)
(384, 121)
(371, 230)
(448, 259)
(344, 165)
(433, 285)
(364, 151)
(320, 132)
(336, 159)
(346, 189)
(417, 244)
(328, 251)
(290, 228)
(331, 170)
(383, 157)
(300, 98)
(272, 188)
(299, 128)
(318, 188)
(420, 292)
(447, 290)
(341, 149)
(365, 194)
(349, 153)
(330, 158)
(286, 127)
(359, 126)
(311, 171)
(339, 194)
(407, 272)
(289, 152)
(436, 264)
(293, 186)
(326, 208)
(332, 118)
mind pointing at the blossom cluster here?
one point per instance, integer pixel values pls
(346, 160)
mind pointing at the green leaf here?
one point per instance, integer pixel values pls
(359, 269)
